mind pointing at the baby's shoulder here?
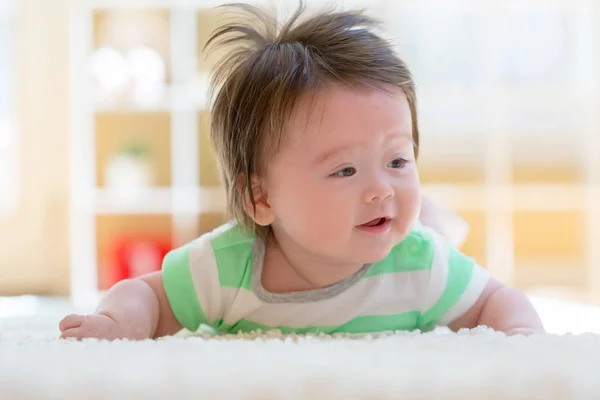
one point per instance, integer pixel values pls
(227, 249)
(228, 236)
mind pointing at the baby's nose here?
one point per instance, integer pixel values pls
(379, 190)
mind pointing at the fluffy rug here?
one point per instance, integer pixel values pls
(478, 364)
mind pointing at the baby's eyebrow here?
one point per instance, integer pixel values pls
(400, 136)
(332, 153)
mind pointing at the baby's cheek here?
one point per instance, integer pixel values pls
(409, 200)
(328, 211)
(306, 206)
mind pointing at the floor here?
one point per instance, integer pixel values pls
(559, 316)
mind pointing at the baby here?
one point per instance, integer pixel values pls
(315, 129)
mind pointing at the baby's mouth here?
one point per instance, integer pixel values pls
(376, 222)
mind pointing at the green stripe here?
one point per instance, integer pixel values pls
(179, 287)
(460, 271)
(414, 253)
(234, 247)
(233, 253)
(407, 321)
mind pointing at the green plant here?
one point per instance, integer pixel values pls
(135, 149)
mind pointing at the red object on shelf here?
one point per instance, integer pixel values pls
(136, 255)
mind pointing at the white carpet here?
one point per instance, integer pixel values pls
(478, 364)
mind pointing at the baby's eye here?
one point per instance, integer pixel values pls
(349, 171)
(397, 163)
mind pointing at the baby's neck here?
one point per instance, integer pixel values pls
(290, 268)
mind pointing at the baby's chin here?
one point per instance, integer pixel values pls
(374, 255)
(378, 253)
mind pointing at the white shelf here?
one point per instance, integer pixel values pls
(196, 200)
(159, 200)
(175, 99)
(487, 5)
(538, 197)
(202, 4)
(431, 100)
(168, 4)
(117, 107)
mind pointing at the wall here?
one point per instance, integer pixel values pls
(33, 243)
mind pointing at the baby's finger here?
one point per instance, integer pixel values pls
(523, 331)
(72, 333)
(70, 321)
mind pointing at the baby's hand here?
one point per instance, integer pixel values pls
(88, 326)
(524, 331)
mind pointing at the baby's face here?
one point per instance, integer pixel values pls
(344, 185)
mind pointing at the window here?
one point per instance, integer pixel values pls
(8, 111)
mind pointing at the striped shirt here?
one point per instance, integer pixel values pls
(423, 282)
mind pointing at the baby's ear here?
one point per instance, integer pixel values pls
(261, 212)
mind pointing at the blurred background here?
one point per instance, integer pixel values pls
(105, 162)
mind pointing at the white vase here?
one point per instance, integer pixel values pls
(127, 176)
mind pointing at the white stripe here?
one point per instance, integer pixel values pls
(385, 294)
(479, 280)
(439, 270)
(205, 274)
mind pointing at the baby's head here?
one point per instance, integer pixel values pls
(314, 127)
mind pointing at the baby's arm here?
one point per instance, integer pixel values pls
(503, 309)
(462, 294)
(444, 221)
(132, 309)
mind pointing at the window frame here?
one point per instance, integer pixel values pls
(9, 138)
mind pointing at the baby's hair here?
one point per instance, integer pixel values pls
(267, 69)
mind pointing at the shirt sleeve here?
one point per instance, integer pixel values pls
(180, 289)
(455, 283)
